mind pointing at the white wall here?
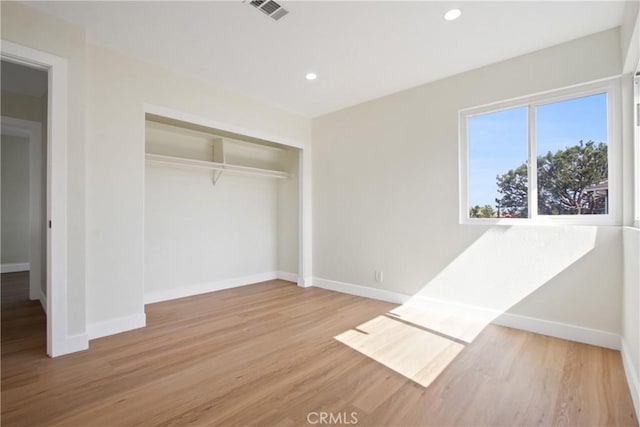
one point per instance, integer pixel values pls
(15, 200)
(34, 109)
(118, 89)
(630, 33)
(201, 237)
(385, 176)
(108, 260)
(630, 36)
(27, 27)
(198, 234)
(631, 314)
(393, 209)
(288, 211)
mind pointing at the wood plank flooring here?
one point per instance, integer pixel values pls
(265, 355)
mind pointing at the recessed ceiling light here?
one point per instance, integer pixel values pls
(452, 14)
(311, 76)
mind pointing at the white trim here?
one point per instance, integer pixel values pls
(304, 179)
(181, 162)
(15, 267)
(305, 216)
(543, 97)
(305, 282)
(43, 301)
(636, 144)
(32, 131)
(78, 342)
(361, 291)
(463, 169)
(9, 129)
(530, 324)
(203, 288)
(532, 159)
(289, 277)
(57, 340)
(560, 330)
(610, 86)
(116, 326)
(633, 380)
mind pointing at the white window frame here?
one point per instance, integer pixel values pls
(609, 86)
(636, 147)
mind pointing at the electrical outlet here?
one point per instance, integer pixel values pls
(378, 276)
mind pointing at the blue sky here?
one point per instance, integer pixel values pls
(498, 141)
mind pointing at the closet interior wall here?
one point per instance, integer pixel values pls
(221, 211)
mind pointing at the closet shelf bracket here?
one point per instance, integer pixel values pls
(215, 176)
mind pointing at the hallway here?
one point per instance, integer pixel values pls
(24, 326)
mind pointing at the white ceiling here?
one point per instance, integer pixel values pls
(360, 49)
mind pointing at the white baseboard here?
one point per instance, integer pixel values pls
(15, 267)
(632, 376)
(289, 277)
(203, 288)
(115, 326)
(530, 324)
(305, 282)
(560, 330)
(43, 301)
(76, 343)
(361, 291)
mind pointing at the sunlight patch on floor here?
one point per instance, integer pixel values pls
(504, 266)
(462, 324)
(411, 351)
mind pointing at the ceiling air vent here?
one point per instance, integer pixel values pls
(269, 8)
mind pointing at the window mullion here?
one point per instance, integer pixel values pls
(532, 163)
(636, 167)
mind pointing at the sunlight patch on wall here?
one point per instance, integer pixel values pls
(421, 337)
(506, 264)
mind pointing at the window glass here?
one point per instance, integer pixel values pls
(498, 186)
(572, 166)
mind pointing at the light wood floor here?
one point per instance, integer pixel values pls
(266, 355)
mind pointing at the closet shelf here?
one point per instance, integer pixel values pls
(158, 159)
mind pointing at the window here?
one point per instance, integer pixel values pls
(546, 158)
(636, 168)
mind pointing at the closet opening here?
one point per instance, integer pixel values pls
(221, 209)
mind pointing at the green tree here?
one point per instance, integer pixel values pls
(513, 188)
(566, 178)
(485, 211)
(566, 183)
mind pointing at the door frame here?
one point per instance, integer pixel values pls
(305, 274)
(58, 342)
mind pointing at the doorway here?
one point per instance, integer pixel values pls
(58, 340)
(23, 168)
